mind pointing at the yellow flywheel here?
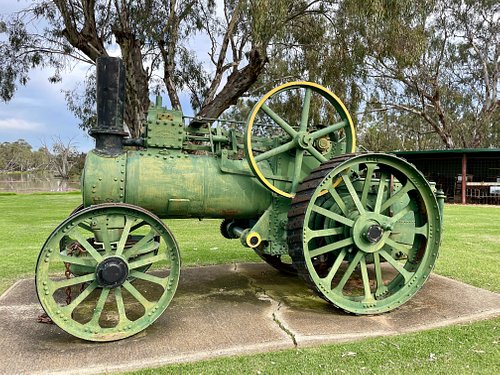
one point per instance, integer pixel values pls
(292, 130)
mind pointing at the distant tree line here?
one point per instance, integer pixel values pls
(61, 159)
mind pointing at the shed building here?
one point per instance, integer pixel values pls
(465, 175)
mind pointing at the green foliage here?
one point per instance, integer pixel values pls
(19, 156)
(423, 74)
(14, 155)
(435, 62)
(416, 75)
(81, 101)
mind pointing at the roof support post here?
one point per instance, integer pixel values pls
(464, 177)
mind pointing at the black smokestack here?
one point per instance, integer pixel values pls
(109, 132)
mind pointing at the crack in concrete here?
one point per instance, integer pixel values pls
(282, 325)
(262, 295)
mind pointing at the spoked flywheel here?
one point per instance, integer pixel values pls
(107, 272)
(283, 144)
(364, 232)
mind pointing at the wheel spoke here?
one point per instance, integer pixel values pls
(99, 307)
(396, 197)
(81, 261)
(381, 288)
(278, 120)
(305, 110)
(423, 230)
(317, 154)
(332, 215)
(380, 192)
(120, 306)
(140, 224)
(72, 281)
(327, 130)
(137, 295)
(338, 200)
(393, 262)
(348, 272)
(87, 246)
(402, 213)
(368, 182)
(85, 226)
(146, 261)
(353, 193)
(81, 297)
(397, 246)
(275, 151)
(331, 247)
(142, 246)
(151, 278)
(366, 282)
(299, 155)
(309, 234)
(123, 239)
(335, 267)
(105, 237)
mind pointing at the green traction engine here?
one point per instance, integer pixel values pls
(362, 229)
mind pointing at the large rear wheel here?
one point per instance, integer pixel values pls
(364, 232)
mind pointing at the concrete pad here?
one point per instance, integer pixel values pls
(312, 320)
(224, 310)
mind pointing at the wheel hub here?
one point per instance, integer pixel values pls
(112, 272)
(374, 233)
(304, 140)
(368, 232)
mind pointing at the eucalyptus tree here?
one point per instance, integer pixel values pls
(422, 73)
(435, 61)
(154, 38)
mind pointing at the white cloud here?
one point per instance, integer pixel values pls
(20, 125)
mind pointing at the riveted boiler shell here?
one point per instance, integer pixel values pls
(176, 185)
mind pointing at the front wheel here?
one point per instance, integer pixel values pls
(115, 274)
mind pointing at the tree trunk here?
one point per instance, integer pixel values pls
(237, 84)
(136, 82)
(136, 89)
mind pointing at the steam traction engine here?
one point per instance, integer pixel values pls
(363, 230)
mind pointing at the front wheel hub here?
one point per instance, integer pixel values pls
(111, 272)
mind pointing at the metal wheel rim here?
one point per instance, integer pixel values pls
(423, 252)
(137, 259)
(310, 87)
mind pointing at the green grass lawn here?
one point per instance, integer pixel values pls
(463, 349)
(470, 253)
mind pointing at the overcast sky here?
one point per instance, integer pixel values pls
(38, 111)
